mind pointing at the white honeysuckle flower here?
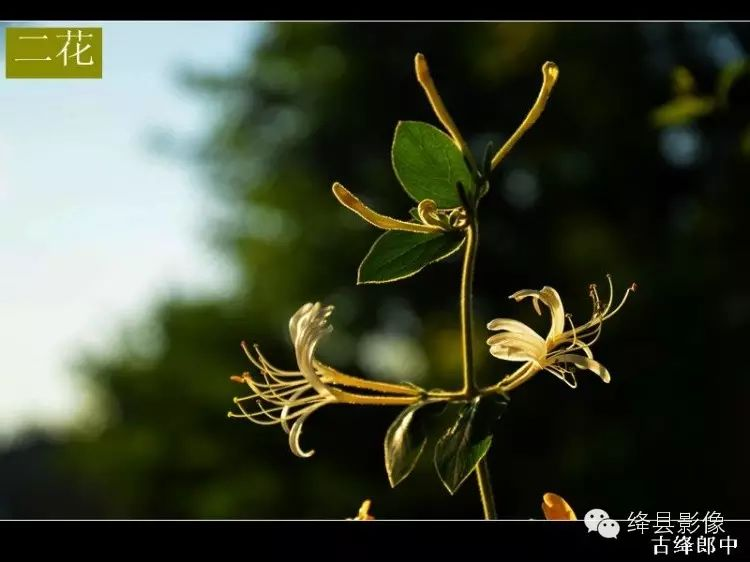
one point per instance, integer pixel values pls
(289, 397)
(561, 352)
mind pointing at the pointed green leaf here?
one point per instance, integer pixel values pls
(467, 441)
(428, 163)
(397, 254)
(406, 439)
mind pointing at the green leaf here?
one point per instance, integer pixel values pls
(397, 254)
(429, 164)
(406, 439)
(467, 441)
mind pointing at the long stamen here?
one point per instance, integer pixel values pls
(597, 303)
(630, 289)
(271, 412)
(277, 397)
(596, 333)
(573, 344)
(278, 381)
(611, 294)
(563, 373)
(592, 328)
(252, 417)
(290, 398)
(268, 366)
(271, 387)
(284, 416)
(260, 392)
(261, 364)
(550, 72)
(597, 314)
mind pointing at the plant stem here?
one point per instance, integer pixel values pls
(470, 387)
(485, 489)
(467, 280)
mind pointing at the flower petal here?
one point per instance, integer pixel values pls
(551, 299)
(509, 353)
(286, 410)
(510, 325)
(296, 318)
(296, 432)
(524, 293)
(308, 325)
(532, 344)
(584, 363)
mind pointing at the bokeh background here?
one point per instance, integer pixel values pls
(152, 220)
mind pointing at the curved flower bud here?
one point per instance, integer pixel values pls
(354, 204)
(550, 73)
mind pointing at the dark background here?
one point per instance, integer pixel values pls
(596, 187)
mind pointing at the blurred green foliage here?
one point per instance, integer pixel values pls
(594, 188)
(727, 103)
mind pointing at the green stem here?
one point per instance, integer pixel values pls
(485, 489)
(467, 280)
(470, 388)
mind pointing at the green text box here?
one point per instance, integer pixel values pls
(53, 52)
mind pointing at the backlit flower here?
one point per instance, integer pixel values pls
(562, 351)
(288, 398)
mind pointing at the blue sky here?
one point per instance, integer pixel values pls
(94, 224)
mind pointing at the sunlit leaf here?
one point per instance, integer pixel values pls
(396, 255)
(428, 163)
(406, 439)
(467, 441)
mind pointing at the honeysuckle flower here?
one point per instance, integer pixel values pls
(555, 507)
(289, 397)
(562, 351)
